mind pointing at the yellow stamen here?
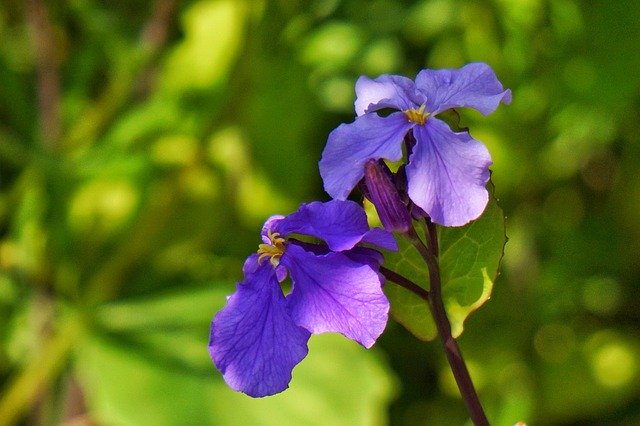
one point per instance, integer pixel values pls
(417, 116)
(273, 250)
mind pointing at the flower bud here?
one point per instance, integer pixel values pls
(384, 195)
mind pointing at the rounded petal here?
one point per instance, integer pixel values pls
(359, 254)
(269, 225)
(475, 86)
(340, 223)
(365, 255)
(386, 91)
(447, 174)
(250, 265)
(381, 238)
(254, 342)
(349, 146)
(332, 293)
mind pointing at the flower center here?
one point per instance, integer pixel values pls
(417, 116)
(273, 250)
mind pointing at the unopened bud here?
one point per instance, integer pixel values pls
(384, 195)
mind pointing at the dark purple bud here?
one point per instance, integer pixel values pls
(382, 191)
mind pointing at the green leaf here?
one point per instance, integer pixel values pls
(469, 261)
(172, 310)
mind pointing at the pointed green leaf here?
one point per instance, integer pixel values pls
(469, 261)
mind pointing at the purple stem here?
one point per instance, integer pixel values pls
(451, 349)
(405, 283)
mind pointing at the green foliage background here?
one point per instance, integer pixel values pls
(142, 144)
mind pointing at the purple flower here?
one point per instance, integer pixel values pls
(261, 334)
(446, 171)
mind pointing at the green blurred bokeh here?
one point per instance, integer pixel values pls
(143, 143)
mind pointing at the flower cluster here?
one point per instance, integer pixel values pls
(327, 249)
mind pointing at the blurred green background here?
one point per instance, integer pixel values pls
(143, 143)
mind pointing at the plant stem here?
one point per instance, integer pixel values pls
(47, 70)
(405, 283)
(436, 304)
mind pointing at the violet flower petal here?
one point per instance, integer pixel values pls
(340, 223)
(269, 224)
(475, 86)
(349, 146)
(254, 341)
(380, 238)
(386, 91)
(359, 254)
(447, 174)
(332, 293)
(366, 256)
